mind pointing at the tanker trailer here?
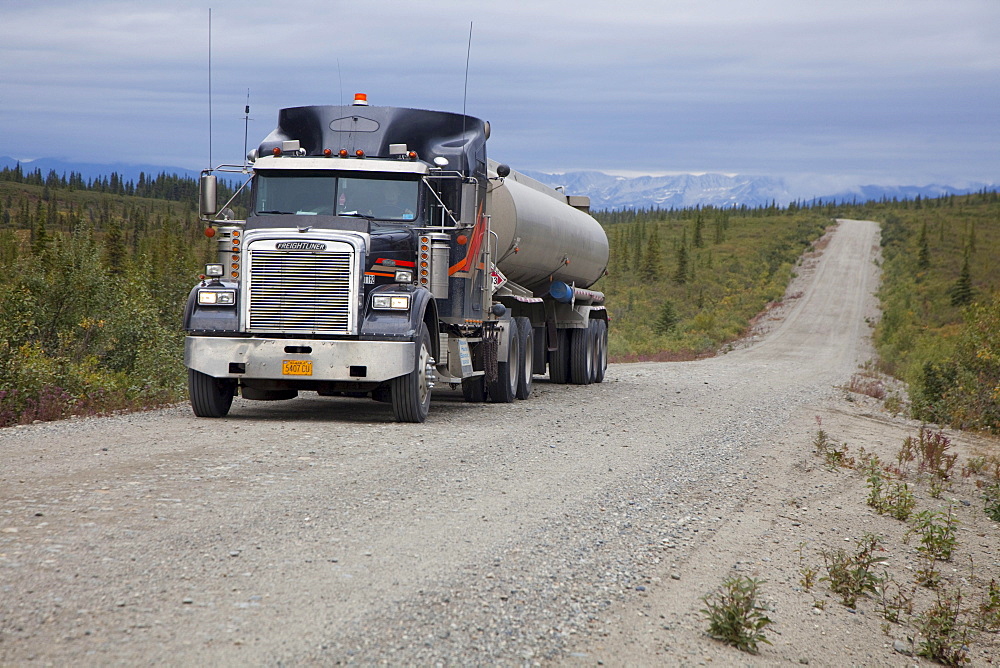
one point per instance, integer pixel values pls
(383, 255)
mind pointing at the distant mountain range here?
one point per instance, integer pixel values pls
(720, 190)
(605, 191)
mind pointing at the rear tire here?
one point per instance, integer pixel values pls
(581, 356)
(526, 380)
(474, 387)
(559, 358)
(210, 397)
(602, 350)
(411, 394)
(504, 389)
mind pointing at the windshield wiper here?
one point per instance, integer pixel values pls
(272, 212)
(355, 214)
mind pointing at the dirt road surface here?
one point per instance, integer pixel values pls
(578, 527)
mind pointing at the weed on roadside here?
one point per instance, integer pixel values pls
(988, 613)
(735, 616)
(835, 456)
(894, 499)
(894, 602)
(937, 539)
(944, 638)
(991, 497)
(850, 575)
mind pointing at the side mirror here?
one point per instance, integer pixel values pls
(207, 195)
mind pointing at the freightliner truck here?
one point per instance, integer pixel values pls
(384, 255)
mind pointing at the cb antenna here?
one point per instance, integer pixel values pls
(246, 127)
(465, 92)
(341, 77)
(468, 53)
(209, 87)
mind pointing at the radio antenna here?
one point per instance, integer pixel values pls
(465, 92)
(341, 78)
(210, 87)
(246, 127)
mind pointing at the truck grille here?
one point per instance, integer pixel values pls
(300, 292)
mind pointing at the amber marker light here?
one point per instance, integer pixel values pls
(209, 232)
(359, 153)
(462, 240)
(276, 151)
(327, 152)
(342, 153)
(413, 155)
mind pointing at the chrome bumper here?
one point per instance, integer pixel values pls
(332, 360)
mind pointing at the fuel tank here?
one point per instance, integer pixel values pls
(541, 238)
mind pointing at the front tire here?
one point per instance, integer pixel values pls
(411, 394)
(210, 397)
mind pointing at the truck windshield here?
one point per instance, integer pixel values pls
(308, 193)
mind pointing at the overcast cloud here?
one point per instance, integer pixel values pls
(866, 91)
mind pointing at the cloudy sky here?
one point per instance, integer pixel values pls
(848, 91)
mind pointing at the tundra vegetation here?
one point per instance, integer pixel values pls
(98, 272)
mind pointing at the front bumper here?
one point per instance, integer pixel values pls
(225, 357)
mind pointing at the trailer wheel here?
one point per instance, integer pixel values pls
(602, 350)
(504, 390)
(559, 358)
(526, 380)
(210, 397)
(581, 356)
(411, 394)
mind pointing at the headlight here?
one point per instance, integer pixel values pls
(214, 270)
(217, 297)
(392, 302)
(404, 275)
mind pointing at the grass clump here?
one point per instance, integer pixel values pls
(735, 616)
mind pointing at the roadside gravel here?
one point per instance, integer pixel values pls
(578, 527)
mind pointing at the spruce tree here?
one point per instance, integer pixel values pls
(667, 319)
(651, 266)
(681, 275)
(923, 250)
(961, 292)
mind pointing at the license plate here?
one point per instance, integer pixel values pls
(297, 367)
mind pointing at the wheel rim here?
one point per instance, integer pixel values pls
(426, 376)
(513, 360)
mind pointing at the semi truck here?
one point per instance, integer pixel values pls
(383, 255)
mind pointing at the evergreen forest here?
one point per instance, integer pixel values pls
(97, 274)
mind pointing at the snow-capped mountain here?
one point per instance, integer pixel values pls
(676, 191)
(721, 190)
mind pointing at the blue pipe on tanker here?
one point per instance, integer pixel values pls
(566, 294)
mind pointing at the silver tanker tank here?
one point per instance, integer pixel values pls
(553, 240)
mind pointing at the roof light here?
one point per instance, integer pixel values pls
(327, 152)
(276, 150)
(413, 155)
(342, 153)
(361, 99)
(359, 153)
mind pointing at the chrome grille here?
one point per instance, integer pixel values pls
(300, 291)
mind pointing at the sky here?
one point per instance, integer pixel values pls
(822, 93)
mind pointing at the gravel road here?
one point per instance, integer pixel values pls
(317, 531)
